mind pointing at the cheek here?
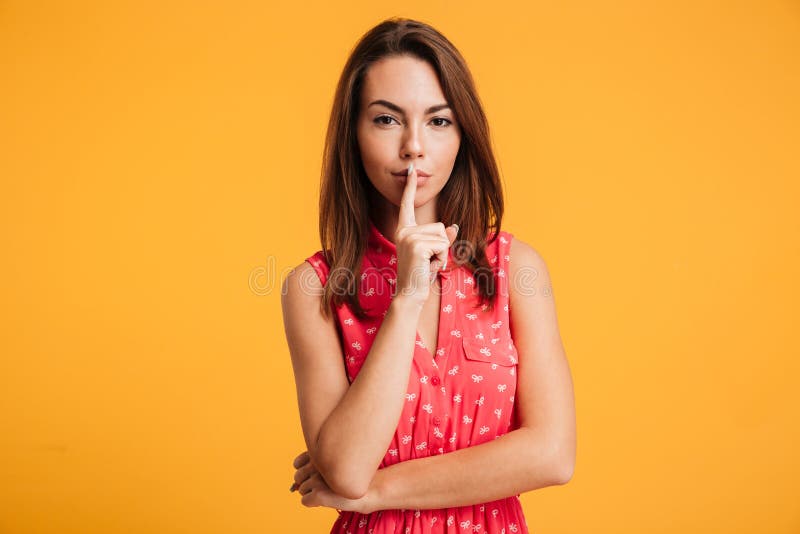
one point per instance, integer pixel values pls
(373, 151)
(446, 147)
(455, 144)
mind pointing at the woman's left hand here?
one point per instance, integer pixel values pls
(315, 491)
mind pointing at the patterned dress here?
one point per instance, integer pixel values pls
(460, 393)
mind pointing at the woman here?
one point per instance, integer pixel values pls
(431, 379)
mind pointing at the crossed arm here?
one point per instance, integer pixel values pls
(540, 453)
(522, 460)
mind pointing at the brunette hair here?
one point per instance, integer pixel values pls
(472, 197)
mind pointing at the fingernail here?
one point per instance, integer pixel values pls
(454, 224)
(411, 168)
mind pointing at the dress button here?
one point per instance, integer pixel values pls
(435, 380)
(437, 421)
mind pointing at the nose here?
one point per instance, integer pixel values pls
(412, 144)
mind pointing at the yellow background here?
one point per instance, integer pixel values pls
(160, 170)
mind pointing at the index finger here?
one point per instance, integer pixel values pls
(406, 216)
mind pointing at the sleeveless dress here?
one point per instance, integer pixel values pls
(460, 393)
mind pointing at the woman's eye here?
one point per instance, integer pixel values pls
(447, 121)
(382, 120)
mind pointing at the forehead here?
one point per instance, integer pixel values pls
(406, 81)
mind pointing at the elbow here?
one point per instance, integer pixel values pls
(345, 484)
(349, 488)
(564, 471)
(340, 473)
(564, 464)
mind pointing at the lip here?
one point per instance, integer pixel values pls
(422, 180)
(402, 178)
(420, 174)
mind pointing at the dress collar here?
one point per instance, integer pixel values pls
(377, 243)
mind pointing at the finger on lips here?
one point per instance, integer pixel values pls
(407, 216)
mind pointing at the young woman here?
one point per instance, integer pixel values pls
(431, 379)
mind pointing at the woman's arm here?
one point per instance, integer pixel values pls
(348, 429)
(344, 449)
(520, 461)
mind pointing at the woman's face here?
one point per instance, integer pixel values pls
(404, 117)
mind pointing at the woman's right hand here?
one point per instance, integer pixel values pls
(421, 249)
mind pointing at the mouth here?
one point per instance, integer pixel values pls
(402, 179)
(420, 174)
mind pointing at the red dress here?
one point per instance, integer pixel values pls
(459, 394)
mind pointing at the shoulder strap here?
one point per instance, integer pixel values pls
(320, 265)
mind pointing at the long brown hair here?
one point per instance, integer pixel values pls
(472, 197)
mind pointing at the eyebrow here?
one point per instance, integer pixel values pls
(398, 109)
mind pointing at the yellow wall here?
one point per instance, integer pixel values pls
(158, 157)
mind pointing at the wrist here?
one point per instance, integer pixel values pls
(406, 304)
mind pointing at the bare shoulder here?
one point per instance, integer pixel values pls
(303, 274)
(524, 254)
(311, 335)
(301, 286)
(527, 266)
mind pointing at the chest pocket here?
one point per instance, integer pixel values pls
(490, 375)
(502, 352)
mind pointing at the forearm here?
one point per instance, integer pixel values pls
(355, 436)
(519, 461)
